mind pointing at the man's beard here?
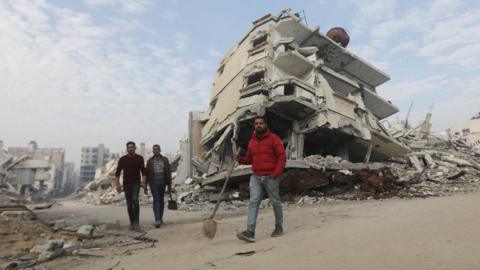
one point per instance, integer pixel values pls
(260, 130)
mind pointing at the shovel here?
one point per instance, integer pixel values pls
(210, 224)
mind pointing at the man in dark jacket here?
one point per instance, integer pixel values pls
(159, 176)
(133, 167)
(267, 155)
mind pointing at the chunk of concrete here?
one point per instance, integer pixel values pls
(85, 232)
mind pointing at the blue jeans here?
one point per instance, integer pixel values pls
(133, 207)
(158, 191)
(259, 184)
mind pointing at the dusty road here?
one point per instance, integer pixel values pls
(435, 233)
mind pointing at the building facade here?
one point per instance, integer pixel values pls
(53, 158)
(92, 158)
(318, 96)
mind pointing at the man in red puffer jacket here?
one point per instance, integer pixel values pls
(266, 154)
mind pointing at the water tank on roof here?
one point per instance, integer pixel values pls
(339, 35)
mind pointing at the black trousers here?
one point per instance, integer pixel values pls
(133, 206)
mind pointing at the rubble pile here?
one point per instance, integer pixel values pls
(193, 197)
(103, 177)
(101, 190)
(32, 242)
(110, 196)
(8, 197)
(433, 167)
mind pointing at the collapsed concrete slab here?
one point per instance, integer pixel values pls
(470, 133)
(319, 97)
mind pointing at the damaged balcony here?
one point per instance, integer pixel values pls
(291, 100)
(292, 62)
(344, 85)
(340, 59)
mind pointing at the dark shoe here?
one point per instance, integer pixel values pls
(246, 236)
(158, 224)
(277, 232)
(137, 228)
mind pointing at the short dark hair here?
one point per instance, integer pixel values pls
(130, 142)
(260, 117)
(156, 145)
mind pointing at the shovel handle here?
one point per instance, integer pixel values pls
(229, 173)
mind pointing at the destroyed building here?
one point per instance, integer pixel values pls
(40, 172)
(54, 157)
(318, 96)
(470, 132)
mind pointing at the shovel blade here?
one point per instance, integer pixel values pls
(210, 228)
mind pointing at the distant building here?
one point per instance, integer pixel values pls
(92, 158)
(71, 178)
(30, 174)
(54, 158)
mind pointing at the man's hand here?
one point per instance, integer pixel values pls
(118, 187)
(144, 185)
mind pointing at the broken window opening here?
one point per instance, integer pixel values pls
(288, 89)
(288, 47)
(260, 41)
(325, 142)
(220, 69)
(256, 77)
(213, 103)
(262, 92)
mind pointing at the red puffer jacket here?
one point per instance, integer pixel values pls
(266, 154)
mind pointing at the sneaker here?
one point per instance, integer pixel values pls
(137, 228)
(158, 224)
(246, 236)
(277, 232)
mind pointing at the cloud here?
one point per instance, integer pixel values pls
(409, 89)
(127, 6)
(444, 32)
(368, 12)
(454, 41)
(454, 98)
(181, 41)
(71, 82)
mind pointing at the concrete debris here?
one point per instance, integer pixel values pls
(11, 198)
(52, 249)
(469, 134)
(433, 167)
(85, 232)
(106, 177)
(25, 215)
